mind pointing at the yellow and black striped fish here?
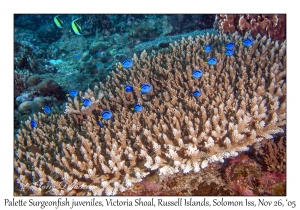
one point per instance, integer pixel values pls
(58, 22)
(76, 27)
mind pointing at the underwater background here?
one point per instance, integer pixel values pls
(56, 56)
(56, 59)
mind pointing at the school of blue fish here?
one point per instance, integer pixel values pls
(144, 88)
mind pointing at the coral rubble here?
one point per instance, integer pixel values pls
(243, 101)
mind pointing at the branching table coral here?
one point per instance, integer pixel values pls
(243, 101)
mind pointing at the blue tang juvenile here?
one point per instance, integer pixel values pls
(229, 46)
(86, 102)
(229, 52)
(33, 123)
(77, 56)
(100, 124)
(145, 88)
(212, 61)
(197, 93)
(247, 42)
(206, 49)
(47, 109)
(106, 115)
(72, 93)
(137, 108)
(197, 74)
(128, 88)
(127, 63)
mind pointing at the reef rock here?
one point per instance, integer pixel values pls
(49, 87)
(33, 80)
(25, 107)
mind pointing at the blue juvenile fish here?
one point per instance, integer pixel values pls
(197, 73)
(206, 49)
(33, 123)
(47, 109)
(197, 93)
(229, 52)
(137, 108)
(72, 93)
(127, 63)
(106, 115)
(229, 46)
(128, 88)
(86, 102)
(247, 42)
(145, 88)
(77, 56)
(212, 61)
(100, 124)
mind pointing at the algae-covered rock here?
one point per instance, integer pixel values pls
(25, 107)
(49, 87)
(48, 33)
(33, 80)
(98, 46)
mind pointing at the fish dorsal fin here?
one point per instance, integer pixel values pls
(76, 19)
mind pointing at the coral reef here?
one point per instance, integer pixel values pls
(273, 183)
(35, 105)
(243, 101)
(150, 29)
(205, 182)
(29, 52)
(33, 80)
(186, 23)
(245, 176)
(35, 87)
(94, 24)
(273, 154)
(20, 78)
(49, 33)
(38, 43)
(271, 25)
(32, 22)
(49, 87)
(32, 93)
(24, 56)
(165, 41)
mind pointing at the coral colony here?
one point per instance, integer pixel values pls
(179, 112)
